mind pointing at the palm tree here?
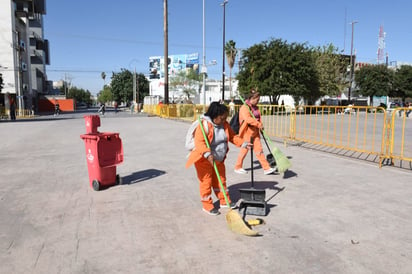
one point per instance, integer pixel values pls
(230, 50)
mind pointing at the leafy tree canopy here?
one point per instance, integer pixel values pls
(80, 95)
(105, 95)
(275, 67)
(187, 81)
(122, 86)
(374, 80)
(403, 82)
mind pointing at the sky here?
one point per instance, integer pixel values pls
(94, 36)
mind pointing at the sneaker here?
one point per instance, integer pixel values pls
(232, 205)
(240, 171)
(213, 211)
(269, 171)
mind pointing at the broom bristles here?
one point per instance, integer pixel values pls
(236, 224)
(282, 162)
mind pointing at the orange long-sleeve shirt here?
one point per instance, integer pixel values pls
(200, 145)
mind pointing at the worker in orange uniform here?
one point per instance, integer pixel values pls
(219, 134)
(250, 129)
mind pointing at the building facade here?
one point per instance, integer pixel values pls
(24, 53)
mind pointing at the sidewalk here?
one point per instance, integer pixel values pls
(328, 214)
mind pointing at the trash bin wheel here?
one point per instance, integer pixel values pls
(118, 180)
(96, 185)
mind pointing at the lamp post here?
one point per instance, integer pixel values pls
(223, 57)
(204, 69)
(351, 63)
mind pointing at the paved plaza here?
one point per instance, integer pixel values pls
(327, 214)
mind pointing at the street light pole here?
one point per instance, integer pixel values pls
(204, 62)
(223, 60)
(166, 53)
(351, 63)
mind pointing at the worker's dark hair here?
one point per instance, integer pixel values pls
(216, 109)
(253, 94)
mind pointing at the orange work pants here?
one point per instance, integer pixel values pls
(257, 148)
(208, 181)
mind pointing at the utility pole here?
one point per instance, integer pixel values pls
(223, 60)
(166, 53)
(351, 63)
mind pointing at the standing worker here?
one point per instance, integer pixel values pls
(250, 129)
(219, 134)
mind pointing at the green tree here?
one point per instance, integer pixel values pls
(230, 51)
(375, 80)
(331, 69)
(403, 82)
(142, 86)
(122, 86)
(275, 67)
(80, 95)
(187, 81)
(105, 95)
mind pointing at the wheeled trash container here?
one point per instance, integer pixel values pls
(104, 151)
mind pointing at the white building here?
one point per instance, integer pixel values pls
(24, 53)
(213, 91)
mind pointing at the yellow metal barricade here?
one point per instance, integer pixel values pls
(368, 133)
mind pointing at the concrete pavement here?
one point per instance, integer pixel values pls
(328, 214)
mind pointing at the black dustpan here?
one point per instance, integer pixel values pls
(253, 200)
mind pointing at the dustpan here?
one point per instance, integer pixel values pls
(253, 200)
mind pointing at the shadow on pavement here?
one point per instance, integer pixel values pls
(140, 176)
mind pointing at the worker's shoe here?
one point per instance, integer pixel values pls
(240, 171)
(213, 211)
(269, 171)
(232, 205)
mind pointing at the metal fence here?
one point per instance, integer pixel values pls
(368, 133)
(24, 113)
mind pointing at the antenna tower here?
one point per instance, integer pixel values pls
(381, 45)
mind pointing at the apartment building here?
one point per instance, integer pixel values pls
(24, 53)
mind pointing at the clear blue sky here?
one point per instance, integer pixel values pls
(88, 37)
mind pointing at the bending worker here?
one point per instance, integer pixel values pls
(219, 134)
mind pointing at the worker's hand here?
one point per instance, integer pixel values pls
(210, 159)
(260, 126)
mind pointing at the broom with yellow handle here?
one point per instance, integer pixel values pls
(233, 219)
(282, 162)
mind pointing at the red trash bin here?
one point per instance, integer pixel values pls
(92, 123)
(103, 152)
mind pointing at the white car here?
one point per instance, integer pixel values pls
(392, 107)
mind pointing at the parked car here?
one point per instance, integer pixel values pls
(392, 106)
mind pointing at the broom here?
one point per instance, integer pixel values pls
(233, 219)
(282, 162)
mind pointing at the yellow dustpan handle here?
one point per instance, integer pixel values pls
(214, 164)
